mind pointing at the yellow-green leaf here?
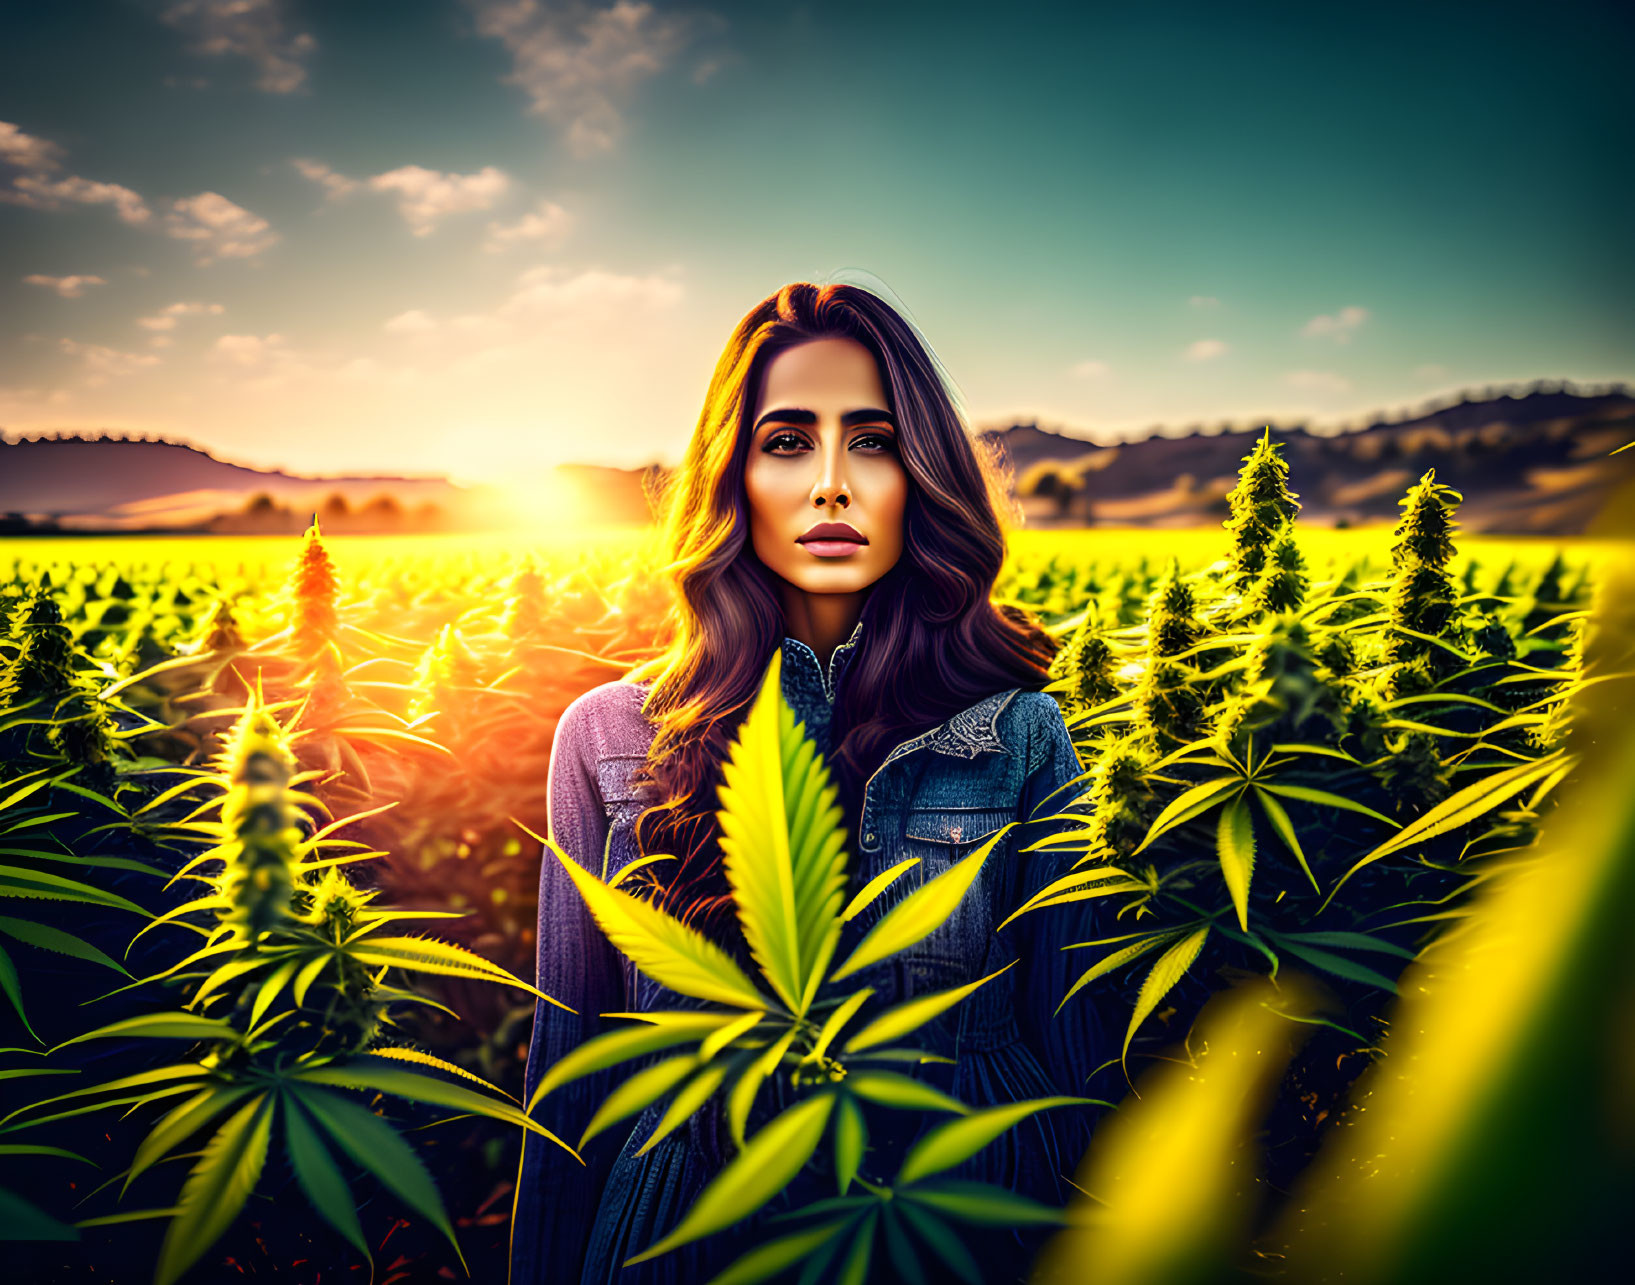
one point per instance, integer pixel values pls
(913, 1014)
(782, 844)
(664, 948)
(217, 1188)
(875, 886)
(640, 1091)
(426, 955)
(957, 1141)
(692, 1095)
(759, 1172)
(1235, 846)
(613, 1047)
(1170, 968)
(921, 913)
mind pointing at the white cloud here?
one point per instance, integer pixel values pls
(40, 193)
(547, 292)
(1317, 381)
(35, 189)
(1204, 301)
(425, 196)
(334, 185)
(252, 29)
(1088, 369)
(27, 152)
(1205, 349)
(252, 350)
(221, 228)
(581, 65)
(67, 287)
(413, 322)
(165, 318)
(1339, 327)
(104, 363)
(548, 301)
(548, 224)
(261, 363)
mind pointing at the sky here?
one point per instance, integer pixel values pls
(484, 237)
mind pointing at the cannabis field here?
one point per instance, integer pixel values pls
(1350, 818)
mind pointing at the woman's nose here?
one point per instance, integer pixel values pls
(831, 486)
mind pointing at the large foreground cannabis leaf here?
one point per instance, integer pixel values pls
(783, 850)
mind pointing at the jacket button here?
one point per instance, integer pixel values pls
(869, 838)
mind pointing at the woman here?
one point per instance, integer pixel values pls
(831, 504)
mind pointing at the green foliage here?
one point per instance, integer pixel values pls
(1421, 641)
(783, 852)
(287, 993)
(1261, 505)
(1299, 763)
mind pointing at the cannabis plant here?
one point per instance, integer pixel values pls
(287, 997)
(782, 849)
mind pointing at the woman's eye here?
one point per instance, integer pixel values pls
(879, 441)
(784, 439)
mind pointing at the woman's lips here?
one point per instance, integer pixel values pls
(831, 548)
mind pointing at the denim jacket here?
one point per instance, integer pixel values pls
(936, 797)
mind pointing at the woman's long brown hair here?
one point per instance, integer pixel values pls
(932, 643)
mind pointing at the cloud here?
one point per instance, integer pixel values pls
(252, 29)
(165, 318)
(251, 350)
(40, 193)
(334, 185)
(413, 322)
(261, 363)
(35, 189)
(1088, 369)
(1317, 381)
(425, 196)
(581, 65)
(547, 301)
(27, 152)
(221, 228)
(104, 363)
(1205, 349)
(1340, 327)
(67, 287)
(548, 224)
(1204, 301)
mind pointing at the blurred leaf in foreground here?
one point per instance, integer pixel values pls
(1170, 1181)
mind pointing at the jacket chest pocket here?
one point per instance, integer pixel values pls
(941, 836)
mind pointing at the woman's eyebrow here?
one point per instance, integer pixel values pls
(851, 417)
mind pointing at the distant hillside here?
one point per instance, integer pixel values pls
(1538, 462)
(113, 483)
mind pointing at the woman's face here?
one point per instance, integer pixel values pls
(823, 452)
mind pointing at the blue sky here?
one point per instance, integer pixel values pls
(486, 236)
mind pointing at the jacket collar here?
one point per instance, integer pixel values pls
(797, 653)
(970, 732)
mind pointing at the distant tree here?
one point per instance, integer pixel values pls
(334, 508)
(261, 503)
(1051, 480)
(382, 510)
